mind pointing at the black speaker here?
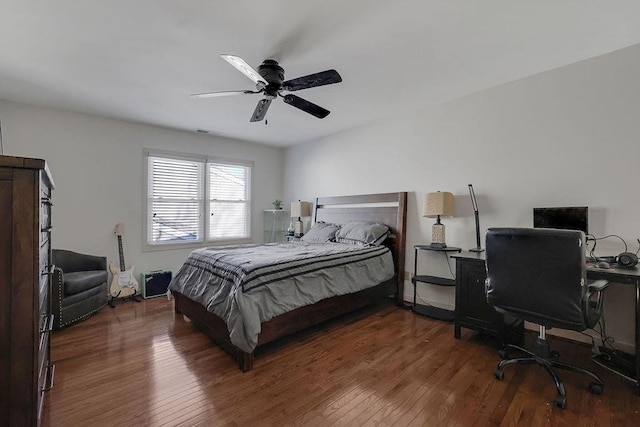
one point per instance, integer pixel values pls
(627, 260)
(155, 283)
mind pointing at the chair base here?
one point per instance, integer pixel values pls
(548, 360)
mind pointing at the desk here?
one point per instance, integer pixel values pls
(472, 310)
(624, 276)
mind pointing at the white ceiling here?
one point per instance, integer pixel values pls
(140, 60)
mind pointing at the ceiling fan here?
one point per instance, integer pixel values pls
(269, 80)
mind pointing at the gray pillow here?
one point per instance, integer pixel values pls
(362, 233)
(321, 232)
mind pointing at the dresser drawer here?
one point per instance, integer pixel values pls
(45, 190)
(44, 251)
(43, 307)
(42, 356)
(45, 212)
(45, 382)
(45, 235)
(46, 271)
(45, 328)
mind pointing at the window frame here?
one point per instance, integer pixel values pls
(204, 206)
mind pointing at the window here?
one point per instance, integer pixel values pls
(194, 200)
(228, 201)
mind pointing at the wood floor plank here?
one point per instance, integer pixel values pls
(140, 364)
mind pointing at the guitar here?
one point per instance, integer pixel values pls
(123, 284)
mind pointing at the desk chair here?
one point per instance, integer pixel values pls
(539, 275)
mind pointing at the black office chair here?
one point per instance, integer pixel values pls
(539, 275)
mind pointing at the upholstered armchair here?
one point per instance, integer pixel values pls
(79, 287)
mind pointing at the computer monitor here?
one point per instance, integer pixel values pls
(568, 218)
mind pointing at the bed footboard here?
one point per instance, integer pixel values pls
(213, 326)
(283, 325)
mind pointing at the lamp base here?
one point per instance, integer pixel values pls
(299, 228)
(438, 245)
(437, 235)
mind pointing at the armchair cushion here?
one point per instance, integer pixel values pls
(80, 281)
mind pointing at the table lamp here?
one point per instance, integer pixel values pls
(300, 209)
(437, 205)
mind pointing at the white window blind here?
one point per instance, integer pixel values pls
(175, 200)
(229, 192)
(182, 191)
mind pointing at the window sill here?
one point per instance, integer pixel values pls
(146, 247)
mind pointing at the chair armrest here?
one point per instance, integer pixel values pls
(592, 309)
(597, 286)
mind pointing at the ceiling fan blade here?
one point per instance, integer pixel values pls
(306, 106)
(225, 93)
(261, 110)
(312, 80)
(246, 69)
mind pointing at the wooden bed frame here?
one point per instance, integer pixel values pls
(386, 208)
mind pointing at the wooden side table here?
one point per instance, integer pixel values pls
(428, 310)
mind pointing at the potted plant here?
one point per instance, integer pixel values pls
(277, 204)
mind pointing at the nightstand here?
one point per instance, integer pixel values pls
(275, 225)
(431, 311)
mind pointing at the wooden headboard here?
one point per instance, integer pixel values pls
(384, 208)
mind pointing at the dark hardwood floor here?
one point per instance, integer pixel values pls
(139, 364)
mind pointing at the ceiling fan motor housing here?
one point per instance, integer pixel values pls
(274, 75)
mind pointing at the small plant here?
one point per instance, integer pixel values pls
(277, 204)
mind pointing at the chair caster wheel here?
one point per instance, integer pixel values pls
(502, 354)
(560, 401)
(596, 388)
(499, 374)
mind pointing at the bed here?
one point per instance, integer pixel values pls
(385, 208)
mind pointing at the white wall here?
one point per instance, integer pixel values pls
(97, 165)
(568, 137)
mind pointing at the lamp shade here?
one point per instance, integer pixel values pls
(438, 204)
(300, 209)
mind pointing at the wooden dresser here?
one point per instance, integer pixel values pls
(26, 320)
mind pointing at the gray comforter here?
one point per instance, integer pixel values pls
(249, 284)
